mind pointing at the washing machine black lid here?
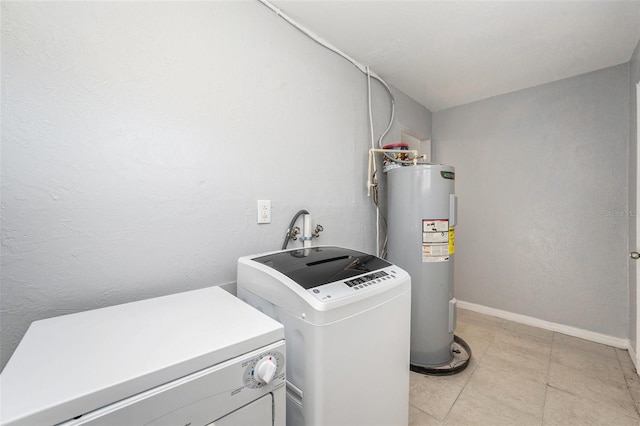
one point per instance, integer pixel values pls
(317, 266)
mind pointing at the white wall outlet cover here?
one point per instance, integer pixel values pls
(264, 211)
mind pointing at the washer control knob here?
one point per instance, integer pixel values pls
(265, 369)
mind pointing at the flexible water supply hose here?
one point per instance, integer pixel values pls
(293, 222)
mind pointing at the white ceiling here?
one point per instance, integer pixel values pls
(448, 53)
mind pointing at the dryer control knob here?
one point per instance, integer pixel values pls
(265, 369)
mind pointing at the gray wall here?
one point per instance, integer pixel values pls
(542, 178)
(137, 137)
(634, 74)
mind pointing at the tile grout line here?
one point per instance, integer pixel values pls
(425, 412)
(546, 380)
(626, 383)
(467, 381)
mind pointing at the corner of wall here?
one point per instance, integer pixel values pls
(634, 78)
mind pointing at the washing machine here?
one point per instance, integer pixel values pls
(201, 357)
(347, 325)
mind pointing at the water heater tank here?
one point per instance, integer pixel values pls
(421, 220)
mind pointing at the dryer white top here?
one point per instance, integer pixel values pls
(70, 365)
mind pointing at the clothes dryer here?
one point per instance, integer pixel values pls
(196, 358)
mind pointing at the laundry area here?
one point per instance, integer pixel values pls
(319, 213)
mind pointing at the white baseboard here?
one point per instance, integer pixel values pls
(616, 342)
(632, 354)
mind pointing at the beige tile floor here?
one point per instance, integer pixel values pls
(521, 375)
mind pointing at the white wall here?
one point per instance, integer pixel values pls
(542, 178)
(137, 137)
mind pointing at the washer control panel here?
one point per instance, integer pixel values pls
(263, 369)
(367, 280)
(340, 289)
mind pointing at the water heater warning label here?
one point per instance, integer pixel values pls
(436, 240)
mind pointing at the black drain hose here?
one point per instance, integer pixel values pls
(293, 222)
(446, 370)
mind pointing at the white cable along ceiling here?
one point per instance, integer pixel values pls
(448, 53)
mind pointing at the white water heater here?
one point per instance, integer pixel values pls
(421, 222)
